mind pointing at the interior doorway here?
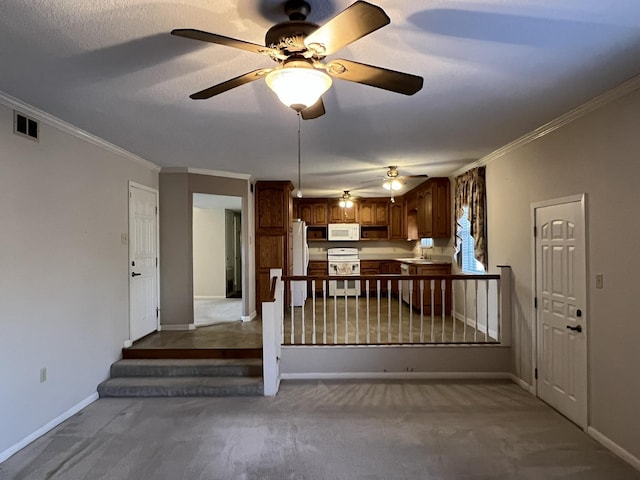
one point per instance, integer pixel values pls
(561, 312)
(217, 259)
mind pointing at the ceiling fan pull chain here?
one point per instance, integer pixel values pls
(299, 194)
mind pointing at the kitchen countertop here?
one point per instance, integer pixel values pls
(381, 257)
(422, 261)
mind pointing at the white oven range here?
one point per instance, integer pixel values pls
(343, 262)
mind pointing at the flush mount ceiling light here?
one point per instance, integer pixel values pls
(345, 201)
(299, 86)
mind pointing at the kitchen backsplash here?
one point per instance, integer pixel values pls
(383, 249)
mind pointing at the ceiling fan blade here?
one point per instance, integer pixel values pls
(229, 84)
(222, 40)
(351, 24)
(379, 77)
(314, 111)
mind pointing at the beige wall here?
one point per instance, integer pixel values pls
(63, 271)
(599, 155)
(176, 241)
(209, 252)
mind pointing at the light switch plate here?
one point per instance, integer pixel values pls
(599, 280)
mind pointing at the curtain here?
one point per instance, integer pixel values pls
(470, 191)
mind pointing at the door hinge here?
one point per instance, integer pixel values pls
(535, 373)
(158, 314)
(156, 262)
(535, 231)
(156, 210)
(535, 302)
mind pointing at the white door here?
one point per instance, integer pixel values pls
(561, 309)
(143, 261)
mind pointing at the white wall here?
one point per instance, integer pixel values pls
(598, 154)
(63, 272)
(209, 252)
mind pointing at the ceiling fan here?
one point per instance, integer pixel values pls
(392, 179)
(299, 48)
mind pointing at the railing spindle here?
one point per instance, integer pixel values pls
(313, 311)
(443, 289)
(432, 284)
(475, 333)
(486, 329)
(464, 313)
(324, 308)
(346, 314)
(421, 311)
(293, 342)
(367, 305)
(453, 310)
(499, 309)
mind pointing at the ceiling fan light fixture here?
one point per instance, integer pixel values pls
(298, 88)
(345, 201)
(392, 184)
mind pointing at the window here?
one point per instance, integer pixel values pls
(469, 262)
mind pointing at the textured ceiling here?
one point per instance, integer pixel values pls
(493, 71)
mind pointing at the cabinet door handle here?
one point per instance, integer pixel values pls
(577, 328)
(134, 274)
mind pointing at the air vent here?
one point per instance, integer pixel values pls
(25, 126)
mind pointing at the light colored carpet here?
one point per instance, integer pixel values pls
(218, 310)
(323, 430)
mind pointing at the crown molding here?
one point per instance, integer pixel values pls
(204, 171)
(572, 115)
(55, 122)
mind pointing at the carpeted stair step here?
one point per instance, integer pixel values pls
(243, 367)
(181, 387)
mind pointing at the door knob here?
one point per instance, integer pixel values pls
(134, 274)
(577, 328)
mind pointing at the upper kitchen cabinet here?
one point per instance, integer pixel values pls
(374, 211)
(338, 214)
(397, 220)
(313, 211)
(432, 211)
(274, 206)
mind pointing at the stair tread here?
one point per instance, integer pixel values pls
(181, 387)
(207, 381)
(191, 362)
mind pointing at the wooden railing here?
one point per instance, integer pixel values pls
(400, 309)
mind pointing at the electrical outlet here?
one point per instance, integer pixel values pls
(43, 374)
(599, 280)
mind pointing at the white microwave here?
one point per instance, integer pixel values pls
(344, 231)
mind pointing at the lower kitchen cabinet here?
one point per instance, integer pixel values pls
(428, 306)
(317, 267)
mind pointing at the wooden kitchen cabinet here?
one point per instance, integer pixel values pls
(370, 267)
(436, 306)
(317, 267)
(390, 267)
(397, 220)
(374, 211)
(274, 231)
(313, 211)
(337, 214)
(433, 204)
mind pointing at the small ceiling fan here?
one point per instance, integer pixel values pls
(299, 48)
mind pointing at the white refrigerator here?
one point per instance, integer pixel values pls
(300, 262)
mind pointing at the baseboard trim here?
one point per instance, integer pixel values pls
(397, 376)
(248, 318)
(178, 326)
(614, 447)
(481, 327)
(49, 426)
(524, 385)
